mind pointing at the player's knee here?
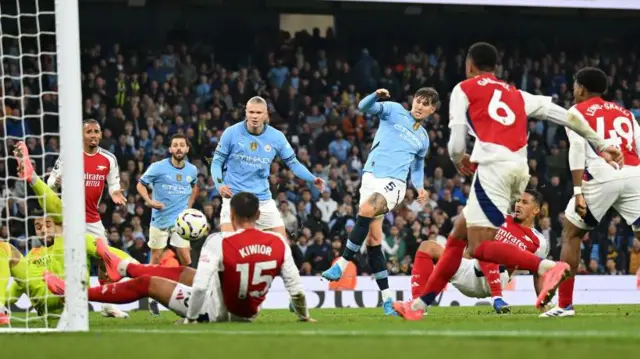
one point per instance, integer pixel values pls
(428, 247)
(366, 210)
(375, 205)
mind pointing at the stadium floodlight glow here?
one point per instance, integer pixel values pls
(579, 4)
(40, 47)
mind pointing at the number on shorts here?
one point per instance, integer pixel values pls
(390, 187)
(496, 104)
(622, 129)
(257, 279)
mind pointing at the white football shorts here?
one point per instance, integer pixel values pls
(495, 186)
(269, 215)
(213, 309)
(97, 229)
(468, 280)
(391, 189)
(622, 194)
(158, 239)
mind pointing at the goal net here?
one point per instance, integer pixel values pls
(40, 104)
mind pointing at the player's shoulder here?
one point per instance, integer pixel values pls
(108, 155)
(273, 133)
(394, 107)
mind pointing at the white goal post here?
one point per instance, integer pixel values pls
(28, 22)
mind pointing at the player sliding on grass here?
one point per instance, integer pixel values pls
(496, 113)
(470, 279)
(27, 271)
(234, 274)
(399, 147)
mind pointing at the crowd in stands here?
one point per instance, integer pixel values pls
(142, 99)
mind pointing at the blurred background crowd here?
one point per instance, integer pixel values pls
(143, 91)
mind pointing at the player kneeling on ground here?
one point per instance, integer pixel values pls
(221, 289)
(472, 277)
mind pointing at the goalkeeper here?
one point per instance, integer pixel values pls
(28, 271)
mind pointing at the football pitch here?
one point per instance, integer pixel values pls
(453, 332)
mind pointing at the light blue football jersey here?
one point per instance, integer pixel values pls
(243, 160)
(172, 186)
(399, 142)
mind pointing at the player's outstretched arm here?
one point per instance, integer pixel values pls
(289, 157)
(113, 181)
(542, 108)
(577, 159)
(291, 278)
(48, 199)
(208, 264)
(457, 145)
(55, 178)
(417, 173)
(370, 106)
(219, 158)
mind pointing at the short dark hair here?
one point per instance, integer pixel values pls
(430, 94)
(484, 56)
(537, 196)
(592, 79)
(179, 136)
(245, 205)
(91, 121)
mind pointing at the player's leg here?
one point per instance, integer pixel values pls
(98, 232)
(377, 197)
(159, 289)
(270, 218)
(599, 198)
(119, 267)
(378, 264)
(428, 252)
(158, 239)
(445, 269)
(183, 248)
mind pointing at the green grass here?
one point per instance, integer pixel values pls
(453, 332)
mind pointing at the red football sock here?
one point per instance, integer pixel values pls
(491, 273)
(139, 270)
(422, 268)
(565, 293)
(447, 266)
(507, 254)
(121, 293)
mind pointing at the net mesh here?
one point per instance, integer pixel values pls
(29, 113)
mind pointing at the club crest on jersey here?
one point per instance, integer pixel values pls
(267, 148)
(416, 126)
(178, 177)
(253, 146)
(102, 168)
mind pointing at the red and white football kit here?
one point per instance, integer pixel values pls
(496, 115)
(604, 187)
(234, 274)
(99, 168)
(469, 279)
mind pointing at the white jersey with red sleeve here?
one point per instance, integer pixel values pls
(494, 112)
(99, 168)
(496, 115)
(618, 127)
(244, 263)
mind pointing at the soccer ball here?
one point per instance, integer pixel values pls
(192, 224)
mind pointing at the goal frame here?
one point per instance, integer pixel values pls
(75, 317)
